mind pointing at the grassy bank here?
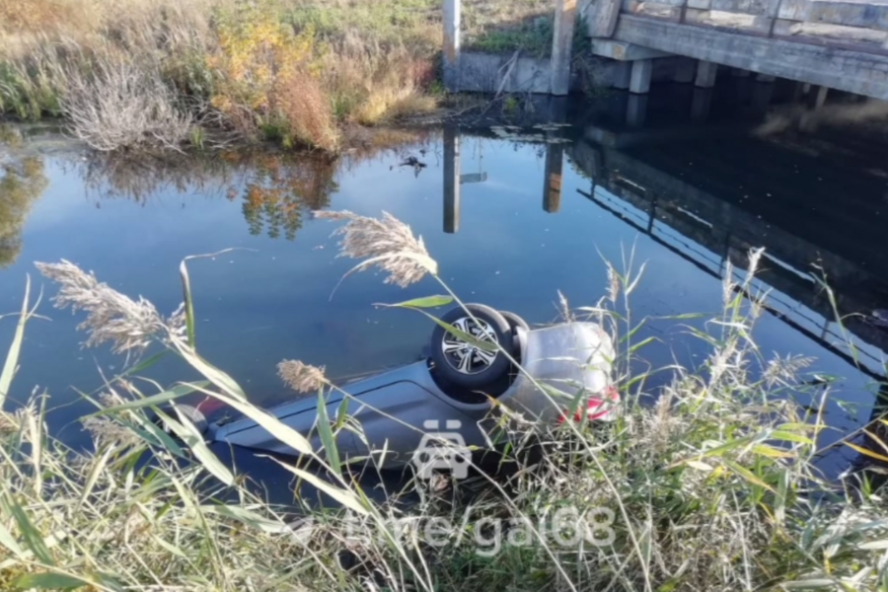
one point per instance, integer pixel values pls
(713, 487)
(137, 73)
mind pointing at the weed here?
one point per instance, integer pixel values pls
(711, 488)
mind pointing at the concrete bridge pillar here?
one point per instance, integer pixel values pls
(820, 98)
(622, 75)
(706, 72)
(640, 78)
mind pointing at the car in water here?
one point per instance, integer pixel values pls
(434, 411)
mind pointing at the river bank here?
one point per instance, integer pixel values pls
(129, 74)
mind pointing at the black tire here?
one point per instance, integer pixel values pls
(514, 320)
(476, 373)
(518, 325)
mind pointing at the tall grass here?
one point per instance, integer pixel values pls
(212, 71)
(713, 487)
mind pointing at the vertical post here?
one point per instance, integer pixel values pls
(562, 46)
(451, 44)
(640, 78)
(451, 180)
(706, 74)
(820, 99)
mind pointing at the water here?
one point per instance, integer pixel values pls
(679, 187)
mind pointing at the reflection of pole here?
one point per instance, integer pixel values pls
(552, 188)
(700, 104)
(554, 159)
(451, 180)
(636, 110)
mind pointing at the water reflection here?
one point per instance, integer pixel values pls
(692, 177)
(281, 188)
(23, 180)
(275, 189)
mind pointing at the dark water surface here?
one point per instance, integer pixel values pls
(686, 180)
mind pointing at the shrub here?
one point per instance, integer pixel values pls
(124, 105)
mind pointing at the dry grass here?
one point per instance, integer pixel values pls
(124, 105)
(128, 325)
(292, 71)
(385, 242)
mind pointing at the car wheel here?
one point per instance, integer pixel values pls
(464, 364)
(517, 324)
(515, 321)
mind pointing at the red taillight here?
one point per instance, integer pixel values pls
(598, 406)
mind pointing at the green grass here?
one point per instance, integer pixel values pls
(713, 487)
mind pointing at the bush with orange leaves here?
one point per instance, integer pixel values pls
(268, 80)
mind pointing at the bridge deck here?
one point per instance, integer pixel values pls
(841, 45)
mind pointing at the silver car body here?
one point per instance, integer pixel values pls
(398, 410)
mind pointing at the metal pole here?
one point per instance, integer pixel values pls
(452, 11)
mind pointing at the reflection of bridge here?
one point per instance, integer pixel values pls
(736, 195)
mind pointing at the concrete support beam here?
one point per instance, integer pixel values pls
(685, 71)
(451, 180)
(706, 72)
(622, 75)
(833, 66)
(562, 44)
(452, 10)
(640, 78)
(820, 98)
(627, 52)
